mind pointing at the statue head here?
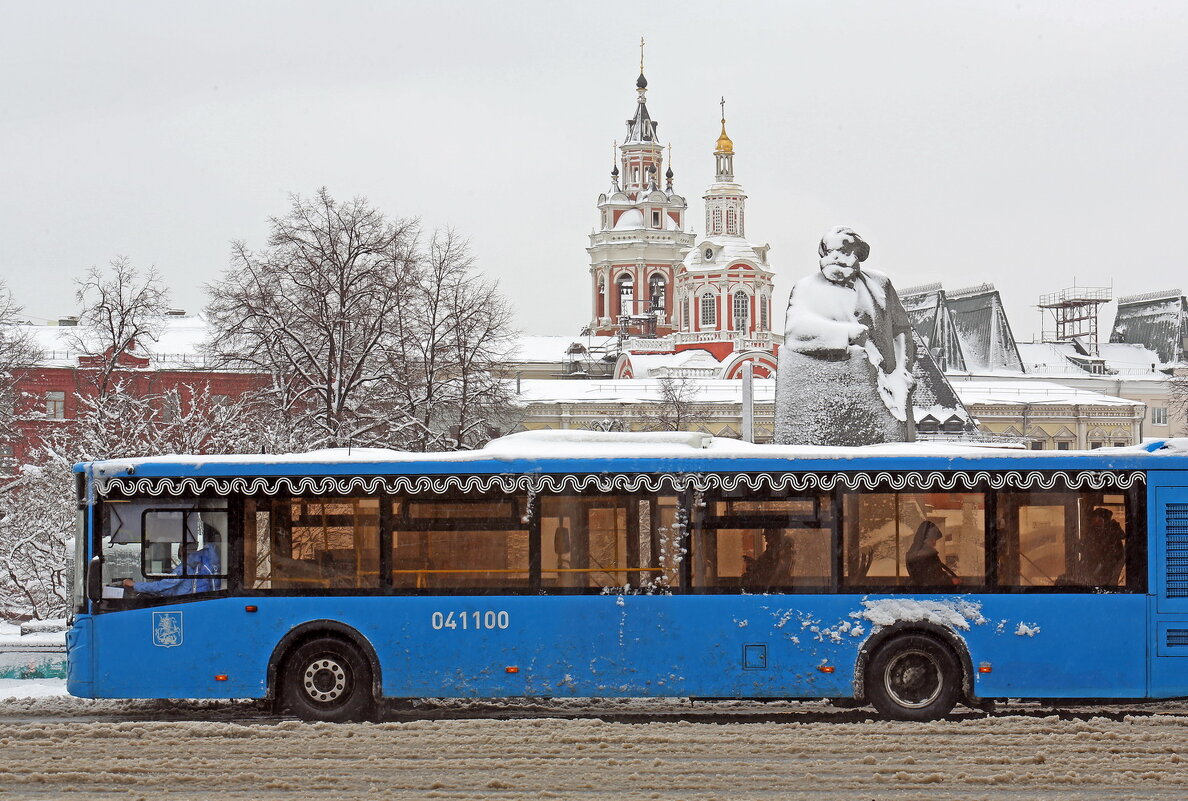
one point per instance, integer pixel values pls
(842, 251)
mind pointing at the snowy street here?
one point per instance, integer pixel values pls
(55, 746)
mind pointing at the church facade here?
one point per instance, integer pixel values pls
(679, 303)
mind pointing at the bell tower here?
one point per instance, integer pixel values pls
(640, 236)
(725, 201)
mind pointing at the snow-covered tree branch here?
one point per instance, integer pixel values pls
(17, 353)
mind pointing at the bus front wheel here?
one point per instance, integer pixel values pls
(913, 677)
(327, 680)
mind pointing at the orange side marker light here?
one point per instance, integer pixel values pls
(511, 669)
(984, 668)
(249, 608)
(826, 668)
(221, 677)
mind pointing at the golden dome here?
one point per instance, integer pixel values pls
(724, 143)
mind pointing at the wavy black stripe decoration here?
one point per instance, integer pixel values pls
(930, 480)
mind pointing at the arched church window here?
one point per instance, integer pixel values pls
(730, 222)
(717, 227)
(626, 286)
(742, 310)
(709, 311)
(763, 305)
(656, 289)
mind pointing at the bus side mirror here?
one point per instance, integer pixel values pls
(95, 579)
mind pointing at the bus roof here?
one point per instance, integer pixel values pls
(597, 452)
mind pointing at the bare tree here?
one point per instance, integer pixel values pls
(1177, 402)
(17, 353)
(369, 339)
(676, 409)
(314, 310)
(453, 337)
(121, 309)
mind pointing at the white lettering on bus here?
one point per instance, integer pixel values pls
(469, 620)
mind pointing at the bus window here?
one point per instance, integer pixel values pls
(904, 539)
(1058, 539)
(473, 543)
(764, 543)
(311, 543)
(164, 547)
(610, 541)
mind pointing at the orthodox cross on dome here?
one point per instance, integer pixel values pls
(724, 144)
(724, 152)
(641, 128)
(668, 173)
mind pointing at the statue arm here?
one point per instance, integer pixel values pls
(808, 330)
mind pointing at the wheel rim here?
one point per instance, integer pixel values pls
(913, 679)
(325, 680)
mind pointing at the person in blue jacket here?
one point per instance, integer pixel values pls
(199, 567)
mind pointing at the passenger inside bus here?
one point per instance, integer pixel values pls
(773, 567)
(193, 575)
(924, 565)
(1105, 552)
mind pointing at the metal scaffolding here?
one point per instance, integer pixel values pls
(1075, 313)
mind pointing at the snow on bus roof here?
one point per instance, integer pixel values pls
(572, 445)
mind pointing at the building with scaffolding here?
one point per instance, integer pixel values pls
(1075, 312)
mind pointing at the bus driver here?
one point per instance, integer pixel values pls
(194, 575)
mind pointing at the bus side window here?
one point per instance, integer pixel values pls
(311, 543)
(933, 540)
(460, 542)
(1062, 539)
(610, 541)
(756, 542)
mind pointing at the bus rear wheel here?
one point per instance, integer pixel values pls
(327, 680)
(913, 677)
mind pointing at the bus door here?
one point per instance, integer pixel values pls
(1168, 518)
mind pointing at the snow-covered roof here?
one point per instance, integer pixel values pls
(1043, 393)
(1060, 358)
(179, 344)
(644, 365)
(637, 390)
(727, 249)
(545, 349)
(629, 220)
(536, 450)
(721, 390)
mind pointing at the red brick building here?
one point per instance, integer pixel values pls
(53, 390)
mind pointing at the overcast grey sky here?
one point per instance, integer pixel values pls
(1020, 143)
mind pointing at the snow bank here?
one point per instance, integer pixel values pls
(32, 688)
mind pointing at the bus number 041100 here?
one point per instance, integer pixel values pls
(469, 620)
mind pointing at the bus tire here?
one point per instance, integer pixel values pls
(326, 679)
(913, 677)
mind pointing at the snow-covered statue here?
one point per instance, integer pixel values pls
(845, 368)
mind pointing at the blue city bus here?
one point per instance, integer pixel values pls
(563, 564)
